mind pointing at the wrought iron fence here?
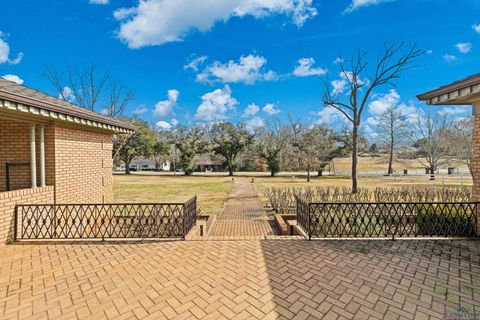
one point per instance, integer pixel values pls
(388, 219)
(105, 221)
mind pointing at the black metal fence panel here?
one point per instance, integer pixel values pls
(105, 221)
(366, 220)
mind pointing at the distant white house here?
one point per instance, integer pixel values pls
(146, 165)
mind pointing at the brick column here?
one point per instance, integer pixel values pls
(476, 160)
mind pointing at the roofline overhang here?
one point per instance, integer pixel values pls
(463, 92)
(37, 107)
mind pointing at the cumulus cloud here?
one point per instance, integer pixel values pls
(102, 2)
(476, 28)
(342, 84)
(357, 4)
(5, 51)
(250, 110)
(330, 116)
(464, 47)
(195, 63)
(216, 105)
(163, 125)
(14, 78)
(338, 60)
(449, 58)
(270, 109)
(165, 108)
(255, 123)
(383, 102)
(155, 22)
(453, 111)
(305, 68)
(248, 70)
(140, 110)
(67, 95)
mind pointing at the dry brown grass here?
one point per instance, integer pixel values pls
(212, 192)
(213, 189)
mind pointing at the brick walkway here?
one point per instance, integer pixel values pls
(252, 279)
(244, 215)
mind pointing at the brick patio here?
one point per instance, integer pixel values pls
(252, 279)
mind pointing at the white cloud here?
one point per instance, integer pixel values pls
(382, 102)
(67, 94)
(464, 47)
(140, 110)
(330, 116)
(338, 60)
(247, 70)
(5, 51)
(270, 109)
(254, 123)
(449, 58)
(429, 51)
(216, 105)
(163, 125)
(14, 78)
(476, 28)
(250, 110)
(356, 4)
(305, 68)
(165, 108)
(342, 85)
(452, 111)
(102, 2)
(155, 22)
(174, 122)
(195, 63)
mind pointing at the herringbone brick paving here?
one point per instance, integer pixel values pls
(244, 279)
(252, 279)
(244, 215)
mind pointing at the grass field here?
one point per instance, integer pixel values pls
(212, 190)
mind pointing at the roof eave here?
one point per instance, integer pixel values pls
(21, 103)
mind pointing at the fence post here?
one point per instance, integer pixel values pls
(15, 224)
(309, 223)
(184, 221)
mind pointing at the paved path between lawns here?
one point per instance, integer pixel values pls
(250, 279)
(244, 215)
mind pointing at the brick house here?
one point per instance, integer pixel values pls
(51, 151)
(463, 92)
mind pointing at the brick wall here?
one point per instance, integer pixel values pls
(83, 166)
(15, 147)
(8, 201)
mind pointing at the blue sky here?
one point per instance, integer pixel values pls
(241, 60)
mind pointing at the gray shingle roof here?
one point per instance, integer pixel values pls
(10, 90)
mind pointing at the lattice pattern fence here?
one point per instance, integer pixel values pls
(388, 219)
(105, 221)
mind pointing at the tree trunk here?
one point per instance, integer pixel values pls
(354, 157)
(308, 174)
(320, 172)
(127, 168)
(390, 161)
(230, 172)
(272, 173)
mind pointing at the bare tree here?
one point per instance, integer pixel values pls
(460, 142)
(388, 70)
(429, 133)
(391, 132)
(90, 89)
